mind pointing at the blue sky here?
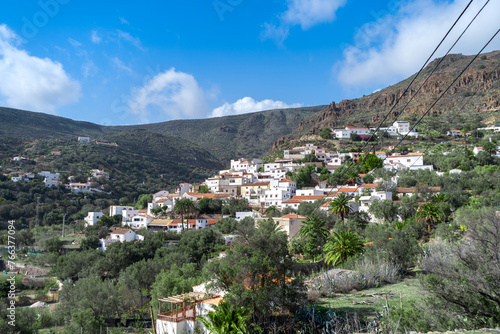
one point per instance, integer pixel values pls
(124, 62)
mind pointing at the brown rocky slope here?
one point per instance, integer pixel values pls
(477, 90)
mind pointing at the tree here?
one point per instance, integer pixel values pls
(254, 271)
(429, 214)
(53, 245)
(177, 280)
(143, 201)
(341, 245)
(204, 189)
(490, 147)
(311, 157)
(371, 161)
(101, 297)
(385, 209)
(183, 207)
(326, 133)
(271, 211)
(226, 318)
(340, 206)
(314, 232)
(303, 176)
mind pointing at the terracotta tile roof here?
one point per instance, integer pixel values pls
(160, 222)
(405, 155)
(198, 195)
(293, 216)
(120, 231)
(291, 201)
(346, 189)
(261, 183)
(369, 185)
(287, 180)
(308, 197)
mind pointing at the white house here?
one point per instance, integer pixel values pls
(115, 210)
(77, 187)
(346, 133)
(411, 161)
(128, 213)
(92, 218)
(280, 190)
(84, 139)
(99, 173)
(49, 178)
(243, 215)
(120, 235)
(139, 221)
(184, 188)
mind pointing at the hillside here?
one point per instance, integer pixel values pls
(248, 135)
(156, 155)
(477, 91)
(36, 125)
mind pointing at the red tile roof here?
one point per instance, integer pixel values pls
(308, 197)
(120, 231)
(293, 216)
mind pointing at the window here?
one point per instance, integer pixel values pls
(409, 160)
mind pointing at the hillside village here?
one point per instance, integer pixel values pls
(265, 185)
(301, 184)
(221, 167)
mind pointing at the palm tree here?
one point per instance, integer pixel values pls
(430, 214)
(314, 230)
(342, 245)
(340, 206)
(226, 318)
(490, 147)
(183, 207)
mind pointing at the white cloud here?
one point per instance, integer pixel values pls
(306, 13)
(124, 21)
(248, 105)
(397, 45)
(135, 41)
(171, 95)
(29, 82)
(89, 69)
(74, 42)
(94, 37)
(120, 65)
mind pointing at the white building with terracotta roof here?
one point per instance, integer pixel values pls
(120, 235)
(139, 221)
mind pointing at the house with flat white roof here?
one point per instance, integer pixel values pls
(92, 218)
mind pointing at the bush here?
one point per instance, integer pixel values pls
(367, 274)
(462, 277)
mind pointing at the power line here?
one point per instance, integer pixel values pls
(414, 78)
(439, 98)
(440, 61)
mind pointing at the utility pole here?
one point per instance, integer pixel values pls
(64, 218)
(37, 211)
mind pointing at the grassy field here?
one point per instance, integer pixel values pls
(370, 301)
